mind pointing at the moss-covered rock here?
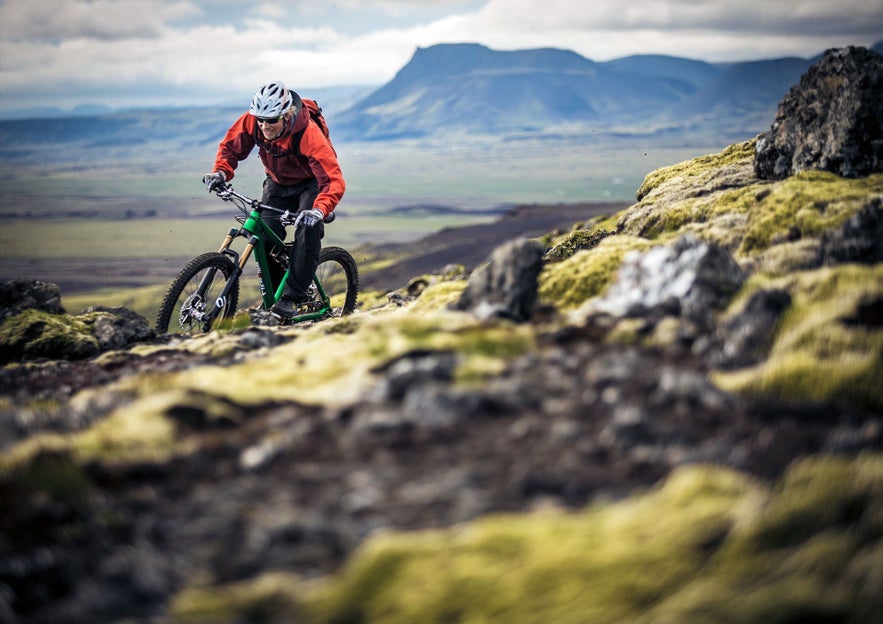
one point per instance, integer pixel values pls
(575, 241)
(823, 351)
(586, 274)
(710, 545)
(718, 198)
(34, 334)
(805, 205)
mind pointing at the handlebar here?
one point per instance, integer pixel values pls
(244, 203)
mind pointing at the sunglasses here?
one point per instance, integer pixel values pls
(268, 121)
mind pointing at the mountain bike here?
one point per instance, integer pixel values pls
(207, 288)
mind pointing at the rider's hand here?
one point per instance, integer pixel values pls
(309, 218)
(214, 180)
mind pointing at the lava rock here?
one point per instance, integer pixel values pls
(746, 338)
(115, 328)
(19, 295)
(506, 287)
(831, 121)
(859, 239)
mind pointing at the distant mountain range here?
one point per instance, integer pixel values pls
(456, 90)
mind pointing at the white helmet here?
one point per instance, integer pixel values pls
(270, 101)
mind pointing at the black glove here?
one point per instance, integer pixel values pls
(309, 218)
(214, 181)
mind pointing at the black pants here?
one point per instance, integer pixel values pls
(307, 243)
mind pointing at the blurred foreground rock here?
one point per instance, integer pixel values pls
(859, 239)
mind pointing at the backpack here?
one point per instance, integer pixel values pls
(315, 112)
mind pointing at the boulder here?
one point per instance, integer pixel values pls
(34, 325)
(689, 278)
(116, 328)
(19, 295)
(831, 121)
(859, 239)
(746, 338)
(506, 287)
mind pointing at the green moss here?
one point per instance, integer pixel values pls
(577, 240)
(786, 258)
(718, 198)
(709, 545)
(683, 172)
(140, 430)
(439, 296)
(704, 210)
(371, 299)
(586, 274)
(269, 599)
(811, 202)
(819, 353)
(325, 366)
(33, 334)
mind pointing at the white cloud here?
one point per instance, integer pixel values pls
(56, 20)
(124, 52)
(713, 30)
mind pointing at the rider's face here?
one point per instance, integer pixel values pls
(271, 130)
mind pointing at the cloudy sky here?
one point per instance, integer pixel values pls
(155, 52)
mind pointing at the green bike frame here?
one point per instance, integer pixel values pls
(260, 239)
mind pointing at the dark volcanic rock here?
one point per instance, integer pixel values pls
(832, 120)
(859, 239)
(115, 328)
(506, 287)
(19, 295)
(745, 339)
(34, 325)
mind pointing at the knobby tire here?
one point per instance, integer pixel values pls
(185, 287)
(339, 276)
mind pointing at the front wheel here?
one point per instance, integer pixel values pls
(193, 294)
(339, 277)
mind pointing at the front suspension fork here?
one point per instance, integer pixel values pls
(239, 262)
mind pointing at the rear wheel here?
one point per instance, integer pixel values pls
(339, 277)
(193, 294)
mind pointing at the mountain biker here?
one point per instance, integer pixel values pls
(303, 176)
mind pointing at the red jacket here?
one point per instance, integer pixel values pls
(283, 161)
